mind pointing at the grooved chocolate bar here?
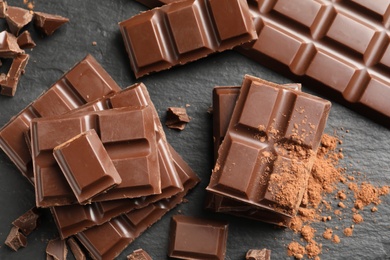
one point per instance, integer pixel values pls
(75, 218)
(175, 34)
(128, 136)
(268, 151)
(85, 82)
(108, 240)
(86, 166)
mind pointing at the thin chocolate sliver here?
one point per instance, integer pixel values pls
(28, 221)
(182, 32)
(86, 166)
(17, 18)
(3, 8)
(56, 250)
(15, 239)
(48, 23)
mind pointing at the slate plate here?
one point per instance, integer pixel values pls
(366, 146)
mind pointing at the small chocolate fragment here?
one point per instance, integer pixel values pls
(86, 166)
(9, 47)
(195, 238)
(48, 23)
(17, 18)
(28, 221)
(139, 254)
(3, 8)
(177, 118)
(25, 40)
(56, 250)
(15, 239)
(255, 254)
(9, 85)
(76, 250)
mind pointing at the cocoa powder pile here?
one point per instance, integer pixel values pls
(329, 188)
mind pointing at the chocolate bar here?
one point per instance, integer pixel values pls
(108, 240)
(85, 82)
(268, 151)
(158, 39)
(195, 238)
(86, 166)
(75, 249)
(75, 218)
(128, 136)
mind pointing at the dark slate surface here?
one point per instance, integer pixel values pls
(366, 146)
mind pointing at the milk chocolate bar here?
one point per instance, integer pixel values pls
(86, 166)
(75, 218)
(195, 238)
(108, 240)
(158, 39)
(269, 148)
(128, 136)
(85, 82)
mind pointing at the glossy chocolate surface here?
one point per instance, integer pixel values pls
(48, 23)
(17, 18)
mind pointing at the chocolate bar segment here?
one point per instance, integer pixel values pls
(86, 166)
(133, 151)
(195, 238)
(268, 151)
(182, 32)
(85, 82)
(56, 250)
(124, 229)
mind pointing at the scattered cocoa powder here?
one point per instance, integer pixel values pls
(328, 233)
(357, 218)
(336, 239)
(313, 249)
(308, 232)
(348, 231)
(296, 250)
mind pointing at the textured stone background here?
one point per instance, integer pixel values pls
(366, 146)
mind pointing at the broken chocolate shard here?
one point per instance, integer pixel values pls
(9, 85)
(195, 238)
(177, 118)
(17, 18)
(3, 8)
(28, 221)
(25, 40)
(56, 250)
(76, 250)
(48, 23)
(139, 254)
(255, 254)
(9, 47)
(15, 239)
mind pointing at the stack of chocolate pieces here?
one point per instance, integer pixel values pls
(98, 158)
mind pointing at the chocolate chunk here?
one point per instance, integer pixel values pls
(194, 238)
(9, 47)
(177, 118)
(25, 40)
(172, 35)
(10, 83)
(282, 129)
(17, 18)
(48, 23)
(28, 221)
(139, 254)
(76, 250)
(3, 8)
(85, 82)
(56, 250)
(255, 254)
(86, 166)
(15, 239)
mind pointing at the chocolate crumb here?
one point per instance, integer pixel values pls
(357, 218)
(94, 43)
(296, 250)
(328, 233)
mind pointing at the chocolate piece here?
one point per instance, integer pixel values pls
(158, 39)
(133, 151)
(15, 239)
(25, 40)
(3, 8)
(85, 82)
(48, 23)
(195, 238)
(27, 222)
(139, 254)
(177, 118)
(255, 254)
(56, 250)
(108, 240)
(86, 166)
(268, 151)
(17, 18)
(76, 250)
(9, 47)
(9, 85)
